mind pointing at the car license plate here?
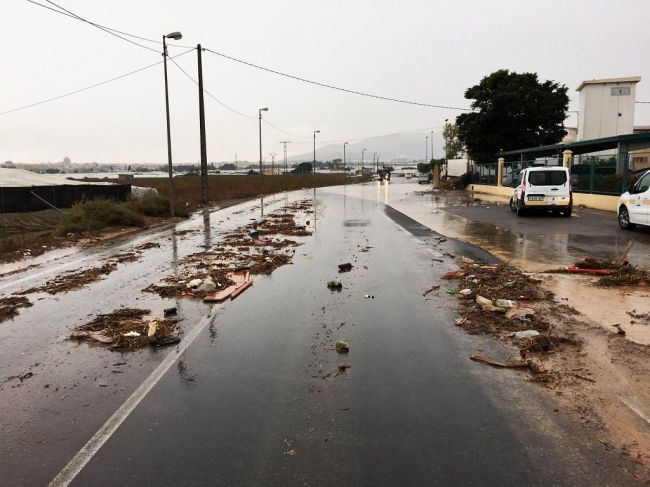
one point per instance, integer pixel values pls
(535, 198)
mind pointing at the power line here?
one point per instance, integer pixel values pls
(642, 102)
(77, 17)
(210, 94)
(286, 132)
(228, 107)
(80, 90)
(108, 30)
(332, 87)
(264, 120)
(120, 34)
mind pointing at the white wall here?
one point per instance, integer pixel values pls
(456, 167)
(599, 111)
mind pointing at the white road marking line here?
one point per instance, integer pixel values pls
(629, 402)
(83, 456)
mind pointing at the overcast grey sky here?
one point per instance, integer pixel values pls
(423, 50)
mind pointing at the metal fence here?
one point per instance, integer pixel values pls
(607, 174)
(484, 174)
(601, 173)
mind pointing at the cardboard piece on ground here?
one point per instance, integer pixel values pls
(241, 281)
(241, 289)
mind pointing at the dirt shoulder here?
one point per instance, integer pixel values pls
(598, 374)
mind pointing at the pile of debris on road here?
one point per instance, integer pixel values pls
(10, 305)
(127, 329)
(610, 273)
(501, 301)
(72, 280)
(225, 268)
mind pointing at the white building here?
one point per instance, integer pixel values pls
(606, 107)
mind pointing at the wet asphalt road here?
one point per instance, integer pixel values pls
(534, 242)
(587, 233)
(246, 403)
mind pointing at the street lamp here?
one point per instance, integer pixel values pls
(172, 204)
(426, 150)
(260, 117)
(432, 144)
(315, 132)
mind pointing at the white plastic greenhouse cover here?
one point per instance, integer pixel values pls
(19, 178)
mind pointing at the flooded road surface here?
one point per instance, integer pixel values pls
(538, 243)
(533, 243)
(256, 394)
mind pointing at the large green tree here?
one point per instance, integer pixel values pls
(453, 145)
(512, 111)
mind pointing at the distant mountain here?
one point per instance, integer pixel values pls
(405, 147)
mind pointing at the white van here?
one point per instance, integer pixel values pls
(543, 188)
(634, 204)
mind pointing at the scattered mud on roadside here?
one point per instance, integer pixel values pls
(125, 329)
(9, 306)
(72, 280)
(134, 254)
(597, 374)
(258, 247)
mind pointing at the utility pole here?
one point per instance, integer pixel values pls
(204, 150)
(362, 151)
(284, 143)
(260, 117)
(272, 154)
(172, 202)
(432, 144)
(315, 132)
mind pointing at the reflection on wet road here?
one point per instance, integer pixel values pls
(535, 243)
(260, 396)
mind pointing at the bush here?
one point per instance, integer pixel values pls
(154, 205)
(97, 214)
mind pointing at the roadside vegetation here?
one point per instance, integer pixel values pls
(187, 189)
(98, 214)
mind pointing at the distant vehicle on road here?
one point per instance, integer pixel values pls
(634, 204)
(425, 177)
(543, 188)
(384, 173)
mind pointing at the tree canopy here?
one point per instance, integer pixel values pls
(453, 145)
(303, 168)
(512, 111)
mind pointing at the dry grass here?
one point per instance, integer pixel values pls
(188, 188)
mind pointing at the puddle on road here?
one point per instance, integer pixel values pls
(604, 306)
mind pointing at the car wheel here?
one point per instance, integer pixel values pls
(624, 219)
(512, 205)
(520, 211)
(567, 211)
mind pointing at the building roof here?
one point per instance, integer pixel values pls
(629, 79)
(11, 178)
(580, 147)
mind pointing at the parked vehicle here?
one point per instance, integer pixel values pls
(543, 188)
(634, 204)
(425, 177)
